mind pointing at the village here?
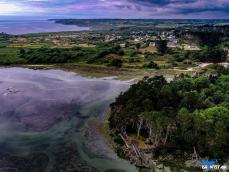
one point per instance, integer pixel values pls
(134, 40)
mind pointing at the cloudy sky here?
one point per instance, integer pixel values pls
(115, 8)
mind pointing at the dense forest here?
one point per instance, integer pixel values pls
(185, 116)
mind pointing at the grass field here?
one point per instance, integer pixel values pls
(29, 45)
(133, 66)
(148, 49)
(9, 56)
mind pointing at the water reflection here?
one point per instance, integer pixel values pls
(46, 121)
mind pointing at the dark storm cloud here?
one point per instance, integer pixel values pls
(200, 10)
(184, 7)
(160, 2)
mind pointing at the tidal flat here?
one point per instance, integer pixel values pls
(45, 121)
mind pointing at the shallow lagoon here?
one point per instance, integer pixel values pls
(46, 121)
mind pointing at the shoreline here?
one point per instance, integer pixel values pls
(68, 136)
(100, 71)
(101, 126)
(155, 165)
(106, 132)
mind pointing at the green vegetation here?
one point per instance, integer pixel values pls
(207, 54)
(219, 69)
(151, 65)
(180, 118)
(54, 55)
(209, 38)
(116, 62)
(210, 42)
(4, 40)
(124, 51)
(142, 48)
(48, 55)
(10, 56)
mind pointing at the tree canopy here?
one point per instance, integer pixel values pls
(177, 116)
(65, 55)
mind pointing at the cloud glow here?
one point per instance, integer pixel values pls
(9, 8)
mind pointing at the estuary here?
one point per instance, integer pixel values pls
(46, 122)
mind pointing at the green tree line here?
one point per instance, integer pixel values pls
(47, 55)
(177, 117)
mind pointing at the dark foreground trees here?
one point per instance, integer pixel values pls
(179, 117)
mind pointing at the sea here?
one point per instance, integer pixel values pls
(18, 27)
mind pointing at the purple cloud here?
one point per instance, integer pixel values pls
(118, 8)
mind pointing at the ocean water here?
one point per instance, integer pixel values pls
(46, 122)
(17, 27)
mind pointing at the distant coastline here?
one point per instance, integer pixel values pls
(36, 26)
(113, 24)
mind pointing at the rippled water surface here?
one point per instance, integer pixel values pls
(46, 122)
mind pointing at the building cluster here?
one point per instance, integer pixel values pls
(148, 39)
(132, 39)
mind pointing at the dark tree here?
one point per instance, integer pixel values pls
(162, 46)
(116, 62)
(151, 65)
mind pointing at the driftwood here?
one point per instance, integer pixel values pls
(135, 155)
(123, 138)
